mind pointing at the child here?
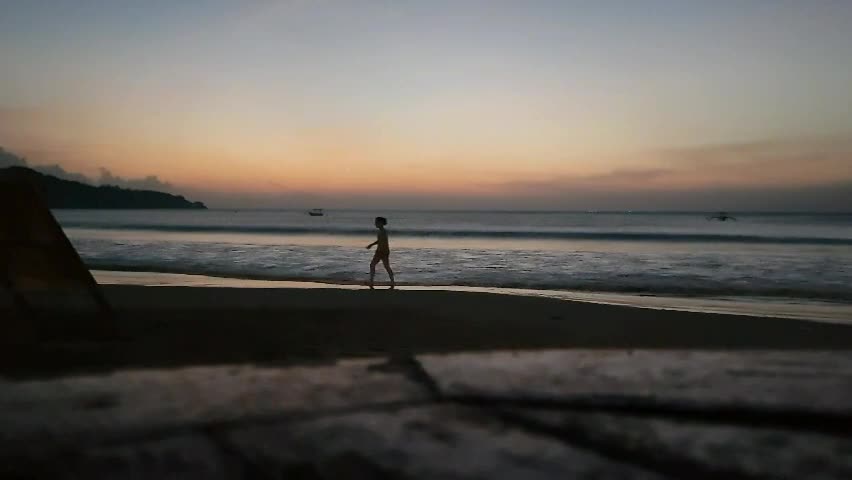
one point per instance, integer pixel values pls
(382, 252)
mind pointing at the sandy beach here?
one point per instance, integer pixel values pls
(166, 327)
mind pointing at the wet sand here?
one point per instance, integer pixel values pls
(189, 326)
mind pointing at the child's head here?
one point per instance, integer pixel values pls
(381, 222)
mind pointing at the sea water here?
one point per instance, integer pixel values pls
(778, 257)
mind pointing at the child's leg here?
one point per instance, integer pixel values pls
(373, 269)
(386, 262)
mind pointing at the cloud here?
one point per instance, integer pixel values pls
(151, 182)
(772, 162)
(60, 172)
(8, 159)
(760, 151)
(632, 174)
(807, 174)
(618, 179)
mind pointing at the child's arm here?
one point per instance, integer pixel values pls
(374, 243)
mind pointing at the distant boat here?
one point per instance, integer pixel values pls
(722, 217)
(317, 212)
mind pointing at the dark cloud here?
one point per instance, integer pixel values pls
(151, 182)
(8, 159)
(60, 172)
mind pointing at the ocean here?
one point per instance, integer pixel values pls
(776, 257)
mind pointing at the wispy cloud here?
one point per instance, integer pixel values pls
(806, 174)
(782, 163)
(829, 156)
(151, 182)
(811, 174)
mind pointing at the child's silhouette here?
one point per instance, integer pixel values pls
(382, 252)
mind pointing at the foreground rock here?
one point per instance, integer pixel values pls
(558, 414)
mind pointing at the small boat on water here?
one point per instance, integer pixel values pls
(317, 212)
(722, 217)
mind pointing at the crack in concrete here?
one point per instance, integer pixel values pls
(736, 415)
(411, 368)
(614, 448)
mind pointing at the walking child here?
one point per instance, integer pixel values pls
(382, 252)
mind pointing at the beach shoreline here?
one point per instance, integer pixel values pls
(798, 309)
(178, 326)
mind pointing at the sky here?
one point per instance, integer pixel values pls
(534, 104)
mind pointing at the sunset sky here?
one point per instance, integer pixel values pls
(527, 104)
